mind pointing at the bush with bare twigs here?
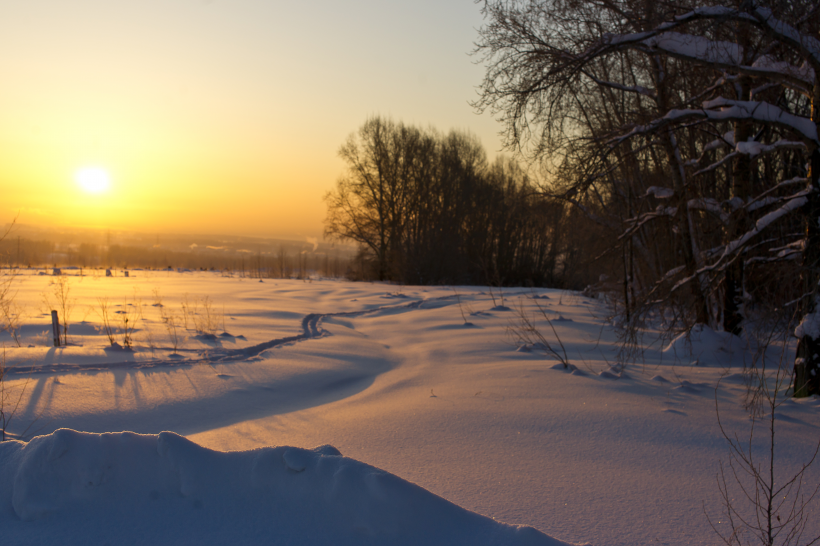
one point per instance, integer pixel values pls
(60, 299)
(10, 398)
(762, 503)
(104, 310)
(129, 317)
(525, 332)
(206, 318)
(10, 312)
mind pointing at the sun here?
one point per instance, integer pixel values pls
(93, 179)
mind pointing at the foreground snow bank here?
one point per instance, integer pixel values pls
(128, 488)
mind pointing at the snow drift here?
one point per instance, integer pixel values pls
(79, 488)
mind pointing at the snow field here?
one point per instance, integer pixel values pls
(390, 376)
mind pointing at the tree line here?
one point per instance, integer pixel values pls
(428, 208)
(289, 260)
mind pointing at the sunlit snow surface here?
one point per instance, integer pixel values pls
(79, 488)
(392, 378)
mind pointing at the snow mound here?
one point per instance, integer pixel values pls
(571, 368)
(659, 379)
(614, 372)
(395, 295)
(734, 378)
(112, 487)
(686, 386)
(705, 345)
(529, 347)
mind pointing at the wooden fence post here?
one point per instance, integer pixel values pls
(55, 326)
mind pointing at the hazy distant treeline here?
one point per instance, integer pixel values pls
(288, 260)
(428, 208)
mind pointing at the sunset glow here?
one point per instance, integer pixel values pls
(93, 179)
(213, 122)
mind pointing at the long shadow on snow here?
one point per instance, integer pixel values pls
(194, 415)
(200, 414)
(311, 329)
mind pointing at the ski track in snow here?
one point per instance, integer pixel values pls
(311, 329)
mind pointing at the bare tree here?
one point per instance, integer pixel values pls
(429, 209)
(368, 201)
(619, 96)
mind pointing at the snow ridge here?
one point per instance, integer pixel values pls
(166, 489)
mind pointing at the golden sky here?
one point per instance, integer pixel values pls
(216, 116)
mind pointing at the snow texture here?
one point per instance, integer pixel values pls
(167, 488)
(703, 343)
(423, 409)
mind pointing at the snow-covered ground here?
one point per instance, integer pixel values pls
(417, 406)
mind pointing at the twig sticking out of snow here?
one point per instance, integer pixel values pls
(525, 332)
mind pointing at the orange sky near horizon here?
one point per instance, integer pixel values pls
(217, 117)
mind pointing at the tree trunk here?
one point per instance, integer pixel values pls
(686, 239)
(807, 359)
(738, 224)
(682, 218)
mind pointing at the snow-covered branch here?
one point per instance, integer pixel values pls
(659, 192)
(750, 148)
(733, 248)
(763, 199)
(717, 164)
(807, 46)
(754, 148)
(793, 203)
(729, 56)
(722, 54)
(638, 222)
(791, 251)
(722, 109)
(762, 112)
(716, 144)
